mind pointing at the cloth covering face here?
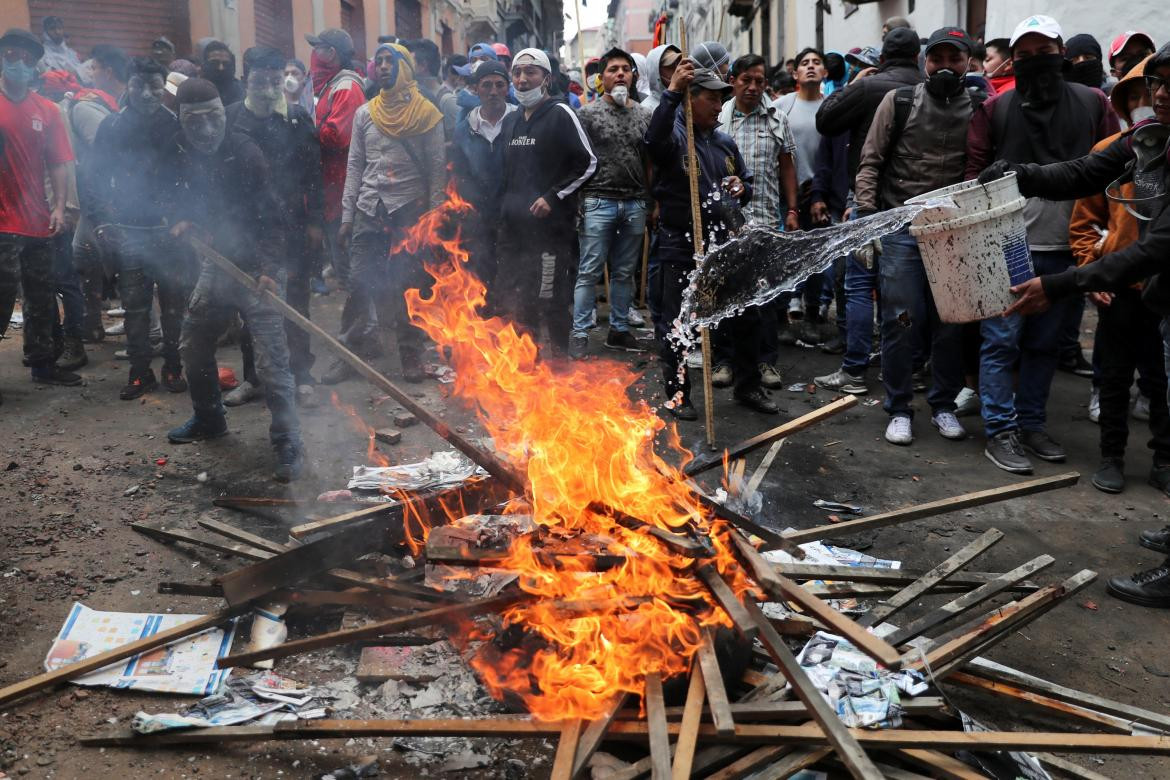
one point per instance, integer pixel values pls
(400, 110)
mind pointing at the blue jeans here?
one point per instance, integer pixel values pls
(1034, 343)
(859, 286)
(68, 283)
(611, 231)
(908, 306)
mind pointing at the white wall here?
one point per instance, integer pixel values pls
(1103, 20)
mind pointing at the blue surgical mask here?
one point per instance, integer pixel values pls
(19, 73)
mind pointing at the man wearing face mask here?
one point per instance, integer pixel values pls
(1045, 119)
(58, 55)
(284, 133)
(548, 158)
(227, 199)
(219, 67)
(133, 187)
(33, 147)
(613, 209)
(1083, 54)
(397, 172)
(917, 143)
(296, 87)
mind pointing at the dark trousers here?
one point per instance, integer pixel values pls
(68, 285)
(534, 278)
(301, 268)
(87, 259)
(150, 260)
(26, 264)
(1128, 339)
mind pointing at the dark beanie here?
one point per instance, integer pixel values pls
(1080, 45)
(196, 91)
(216, 46)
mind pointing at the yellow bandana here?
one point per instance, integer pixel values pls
(401, 110)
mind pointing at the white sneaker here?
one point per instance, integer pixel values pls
(898, 431)
(1095, 406)
(1141, 408)
(119, 312)
(634, 318)
(241, 395)
(966, 403)
(948, 425)
(117, 329)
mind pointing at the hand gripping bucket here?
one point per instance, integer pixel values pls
(975, 251)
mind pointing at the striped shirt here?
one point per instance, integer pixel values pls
(762, 136)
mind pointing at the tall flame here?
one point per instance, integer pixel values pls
(579, 438)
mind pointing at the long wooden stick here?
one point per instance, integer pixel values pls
(645, 267)
(93, 663)
(489, 462)
(566, 750)
(919, 511)
(688, 730)
(656, 728)
(717, 703)
(594, 734)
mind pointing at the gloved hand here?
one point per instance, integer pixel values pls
(997, 170)
(868, 254)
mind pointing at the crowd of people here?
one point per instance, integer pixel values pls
(110, 164)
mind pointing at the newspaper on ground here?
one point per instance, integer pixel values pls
(264, 697)
(441, 470)
(186, 666)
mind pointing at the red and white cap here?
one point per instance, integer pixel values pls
(1121, 41)
(1040, 24)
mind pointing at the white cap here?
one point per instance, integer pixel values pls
(1043, 25)
(532, 57)
(174, 79)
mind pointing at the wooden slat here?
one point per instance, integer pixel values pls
(688, 729)
(870, 575)
(717, 702)
(941, 765)
(656, 728)
(790, 764)
(240, 535)
(932, 508)
(751, 762)
(562, 768)
(593, 734)
(1068, 767)
(169, 535)
(726, 598)
(1048, 704)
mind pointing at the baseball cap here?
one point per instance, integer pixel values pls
(532, 57)
(24, 39)
(482, 50)
(1122, 40)
(502, 49)
(332, 36)
(174, 79)
(867, 57)
(1037, 23)
(487, 68)
(955, 36)
(669, 57)
(900, 43)
(709, 79)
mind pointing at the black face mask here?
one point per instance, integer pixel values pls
(1039, 79)
(944, 84)
(1088, 73)
(217, 70)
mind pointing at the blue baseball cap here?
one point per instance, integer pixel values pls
(482, 50)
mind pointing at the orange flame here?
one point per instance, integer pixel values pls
(579, 438)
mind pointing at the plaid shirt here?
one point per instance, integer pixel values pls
(761, 137)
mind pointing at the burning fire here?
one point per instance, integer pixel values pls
(579, 439)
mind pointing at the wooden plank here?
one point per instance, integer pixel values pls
(751, 762)
(943, 572)
(738, 450)
(837, 590)
(1046, 703)
(169, 535)
(764, 711)
(849, 751)
(656, 728)
(892, 578)
(773, 540)
(932, 508)
(240, 535)
(678, 543)
(381, 628)
(762, 470)
(870, 644)
(726, 598)
(801, 758)
(991, 671)
(198, 589)
(688, 728)
(65, 673)
(562, 768)
(245, 502)
(594, 734)
(941, 765)
(1068, 767)
(338, 522)
(717, 702)
(953, 609)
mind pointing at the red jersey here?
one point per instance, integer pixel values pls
(337, 101)
(32, 137)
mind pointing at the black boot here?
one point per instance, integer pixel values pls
(73, 355)
(1156, 540)
(1110, 476)
(1150, 588)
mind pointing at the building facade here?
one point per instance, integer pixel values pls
(133, 24)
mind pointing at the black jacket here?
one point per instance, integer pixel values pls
(290, 147)
(547, 156)
(132, 179)
(851, 109)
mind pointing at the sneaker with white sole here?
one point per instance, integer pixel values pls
(1141, 408)
(117, 329)
(966, 403)
(899, 432)
(242, 394)
(948, 426)
(1095, 406)
(635, 318)
(843, 382)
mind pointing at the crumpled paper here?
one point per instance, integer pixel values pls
(440, 470)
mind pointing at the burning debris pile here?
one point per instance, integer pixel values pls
(604, 598)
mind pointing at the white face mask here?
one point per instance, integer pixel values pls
(620, 94)
(1141, 113)
(530, 97)
(291, 83)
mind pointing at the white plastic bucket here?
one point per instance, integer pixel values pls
(974, 252)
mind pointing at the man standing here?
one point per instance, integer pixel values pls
(284, 133)
(35, 148)
(219, 67)
(764, 138)
(134, 185)
(58, 55)
(477, 161)
(1127, 50)
(721, 173)
(660, 65)
(547, 159)
(614, 207)
(397, 172)
(912, 148)
(1043, 120)
(228, 202)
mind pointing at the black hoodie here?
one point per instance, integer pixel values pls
(549, 156)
